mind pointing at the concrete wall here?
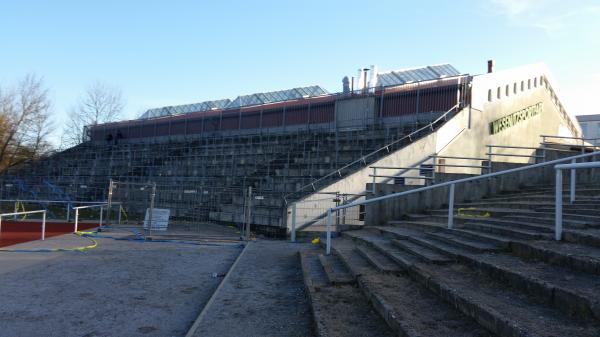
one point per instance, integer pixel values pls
(408, 156)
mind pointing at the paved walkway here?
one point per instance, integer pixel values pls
(263, 295)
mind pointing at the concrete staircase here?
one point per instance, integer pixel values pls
(499, 272)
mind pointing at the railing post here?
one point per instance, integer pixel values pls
(451, 207)
(101, 208)
(16, 209)
(44, 225)
(329, 220)
(120, 210)
(76, 219)
(489, 159)
(573, 182)
(294, 222)
(374, 179)
(558, 206)
(68, 212)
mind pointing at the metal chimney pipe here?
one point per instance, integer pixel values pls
(491, 64)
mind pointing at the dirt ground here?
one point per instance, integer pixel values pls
(120, 288)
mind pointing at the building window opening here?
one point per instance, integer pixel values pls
(490, 95)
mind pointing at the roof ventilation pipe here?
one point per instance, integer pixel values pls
(373, 77)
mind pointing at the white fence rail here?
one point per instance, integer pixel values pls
(28, 212)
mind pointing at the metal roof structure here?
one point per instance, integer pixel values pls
(238, 102)
(277, 96)
(405, 76)
(182, 109)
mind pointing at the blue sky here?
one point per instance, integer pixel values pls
(176, 52)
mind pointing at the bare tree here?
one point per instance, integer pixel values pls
(24, 122)
(99, 104)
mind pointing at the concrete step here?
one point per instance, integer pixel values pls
(500, 241)
(424, 253)
(531, 205)
(492, 304)
(338, 310)
(584, 210)
(506, 231)
(408, 307)
(545, 220)
(500, 212)
(525, 225)
(471, 245)
(576, 295)
(335, 270)
(379, 261)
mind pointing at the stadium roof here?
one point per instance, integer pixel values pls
(405, 76)
(181, 109)
(238, 102)
(277, 96)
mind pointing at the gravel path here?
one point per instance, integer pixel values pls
(263, 296)
(121, 288)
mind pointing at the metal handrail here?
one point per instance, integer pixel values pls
(365, 157)
(451, 184)
(559, 191)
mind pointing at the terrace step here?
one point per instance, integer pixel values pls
(408, 307)
(378, 260)
(335, 270)
(461, 242)
(520, 225)
(492, 304)
(338, 310)
(424, 253)
(506, 231)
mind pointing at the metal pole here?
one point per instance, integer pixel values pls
(294, 222)
(151, 208)
(329, 220)
(374, 174)
(68, 212)
(558, 206)
(44, 225)
(0, 225)
(489, 159)
(248, 219)
(16, 209)
(120, 211)
(451, 207)
(101, 215)
(573, 182)
(109, 203)
(76, 219)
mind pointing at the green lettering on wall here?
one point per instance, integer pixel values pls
(506, 122)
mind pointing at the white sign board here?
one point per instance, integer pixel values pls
(160, 219)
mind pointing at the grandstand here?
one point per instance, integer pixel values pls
(293, 145)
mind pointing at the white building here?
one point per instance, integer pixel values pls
(590, 125)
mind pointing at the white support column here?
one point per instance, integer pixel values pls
(451, 207)
(76, 219)
(294, 222)
(329, 220)
(44, 225)
(558, 206)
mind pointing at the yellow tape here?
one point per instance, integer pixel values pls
(461, 212)
(316, 240)
(53, 250)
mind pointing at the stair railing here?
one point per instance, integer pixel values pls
(451, 186)
(558, 203)
(384, 149)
